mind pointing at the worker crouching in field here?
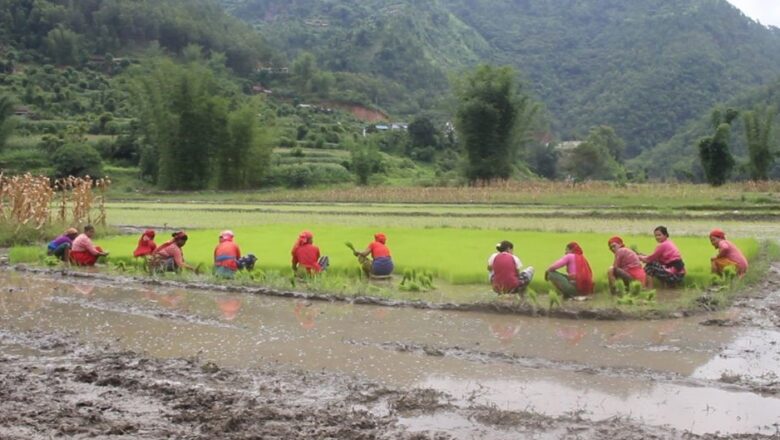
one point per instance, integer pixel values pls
(169, 257)
(626, 267)
(227, 257)
(60, 246)
(578, 280)
(665, 263)
(146, 244)
(306, 255)
(506, 269)
(728, 254)
(83, 252)
(381, 263)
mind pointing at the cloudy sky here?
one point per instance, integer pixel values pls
(765, 11)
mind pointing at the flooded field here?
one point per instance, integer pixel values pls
(384, 372)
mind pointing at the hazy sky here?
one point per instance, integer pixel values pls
(765, 11)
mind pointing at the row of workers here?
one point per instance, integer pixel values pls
(506, 270)
(665, 264)
(78, 249)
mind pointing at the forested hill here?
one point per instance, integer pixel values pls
(68, 32)
(409, 46)
(644, 67)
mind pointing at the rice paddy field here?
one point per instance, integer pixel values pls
(456, 256)
(451, 233)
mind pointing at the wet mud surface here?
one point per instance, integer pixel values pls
(53, 387)
(100, 358)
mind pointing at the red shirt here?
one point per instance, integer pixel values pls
(378, 250)
(226, 255)
(505, 277)
(307, 256)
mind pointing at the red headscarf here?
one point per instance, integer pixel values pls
(146, 244)
(617, 240)
(380, 237)
(584, 276)
(718, 233)
(303, 238)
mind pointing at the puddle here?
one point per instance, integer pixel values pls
(658, 373)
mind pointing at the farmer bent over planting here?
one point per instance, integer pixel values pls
(627, 267)
(227, 256)
(306, 255)
(381, 263)
(60, 246)
(578, 280)
(168, 257)
(146, 244)
(84, 252)
(665, 263)
(728, 254)
(507, 276)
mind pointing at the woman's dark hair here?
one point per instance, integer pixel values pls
(89, 228)
(662, 229)
(505, 246)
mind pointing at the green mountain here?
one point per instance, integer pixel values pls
(644, 67)
(405, 45)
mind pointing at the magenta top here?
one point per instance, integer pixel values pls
(567, 260)
(665, 253)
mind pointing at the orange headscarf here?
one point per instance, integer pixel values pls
(584, 276)
(718, 233)
(380, 237)
(617, 240)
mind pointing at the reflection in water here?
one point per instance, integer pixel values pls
(664, 330)
(229, 306)
(620, 335)
(571, 335)
(169, 300)
(504, 329)
(84, 289)
(306, 314)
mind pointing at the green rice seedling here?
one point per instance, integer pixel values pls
(533, 297)
(635, 289)
(554, 298)
(51, 261)
(730, 274)
(620, 289)
(350, 246)
(717, 280)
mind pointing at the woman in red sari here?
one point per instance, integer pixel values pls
(146, 244)
(578, 280)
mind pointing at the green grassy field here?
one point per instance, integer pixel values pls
(457, 256)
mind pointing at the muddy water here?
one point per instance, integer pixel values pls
(677, 373)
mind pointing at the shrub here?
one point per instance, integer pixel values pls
(77, 160)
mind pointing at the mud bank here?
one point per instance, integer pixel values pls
(569, 310)
(52, 386)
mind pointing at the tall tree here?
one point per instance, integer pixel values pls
(714, 153)
(758, 133)
(244, 158)
(6, 123)
(64, 45)
(486, 117)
